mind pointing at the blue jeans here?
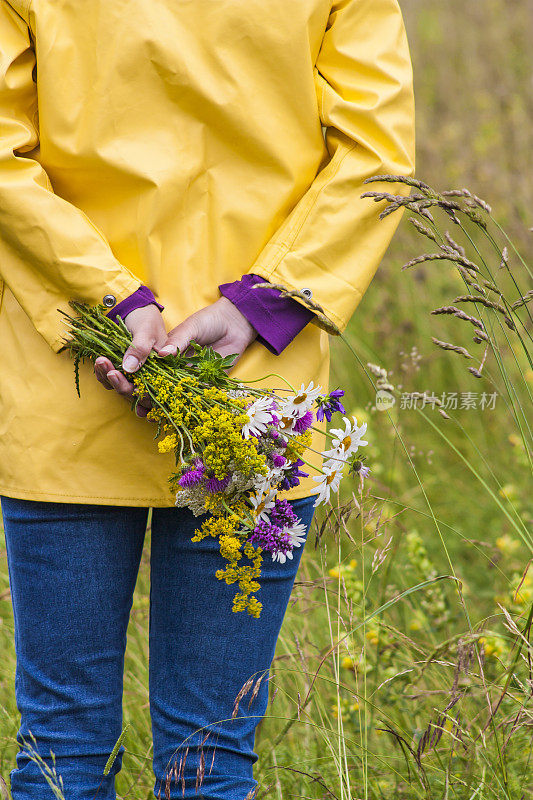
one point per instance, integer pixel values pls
(72, 572)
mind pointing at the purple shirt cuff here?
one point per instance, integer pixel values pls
(276, 319)
(142, 297)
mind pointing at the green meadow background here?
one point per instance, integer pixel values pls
(429, 697)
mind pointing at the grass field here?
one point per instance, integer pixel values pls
(389, 682)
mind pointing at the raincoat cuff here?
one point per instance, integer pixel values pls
(276, 319)
(142, 297)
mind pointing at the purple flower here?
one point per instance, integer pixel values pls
(293, 475)
(193, 476)
(303, 423)
(282, 514)
(271, 538)
(278, 460)
(329, 405)
(215, 485)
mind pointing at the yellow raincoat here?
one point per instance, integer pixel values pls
(179, 144)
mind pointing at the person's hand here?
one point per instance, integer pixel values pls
(148, 331)
(220, 325)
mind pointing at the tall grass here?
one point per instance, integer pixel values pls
(403, 669)
(426, 664)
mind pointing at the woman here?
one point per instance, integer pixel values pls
(162, 158)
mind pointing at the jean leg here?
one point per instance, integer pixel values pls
(202, 653)
(72, 572)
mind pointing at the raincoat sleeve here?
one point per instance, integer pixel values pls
(50, 251)
(332, 241)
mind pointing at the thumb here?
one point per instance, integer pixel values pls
(179, 338)
(138, 351)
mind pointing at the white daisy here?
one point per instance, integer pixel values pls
(281, 557)
(262, 504)
(336, 459)
(286, 426)
(277, 476)
(297, 533)
(329, 482)
(346, 441)
(298, 405)
(262, 484)
(259, 417)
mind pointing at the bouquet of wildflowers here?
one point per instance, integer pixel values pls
(235, 446)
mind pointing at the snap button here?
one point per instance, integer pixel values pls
(307, 293)
(109, 300)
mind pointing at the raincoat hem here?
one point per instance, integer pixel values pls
(135, 502)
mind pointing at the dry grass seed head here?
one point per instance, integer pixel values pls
(255, 690)
(454, 245)
(242, 691)
(459, 313)
(454, 348)
(448, 255)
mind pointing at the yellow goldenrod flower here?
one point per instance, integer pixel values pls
(167, 444)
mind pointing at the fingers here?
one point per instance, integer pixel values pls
(219, 325)
(147, 329)
(141, 346)
(102, 366)
(180, 337)
(138, 351)
(110, 378)
(119, 383)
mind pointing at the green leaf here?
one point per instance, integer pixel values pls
(77, 359)
(229, 360)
